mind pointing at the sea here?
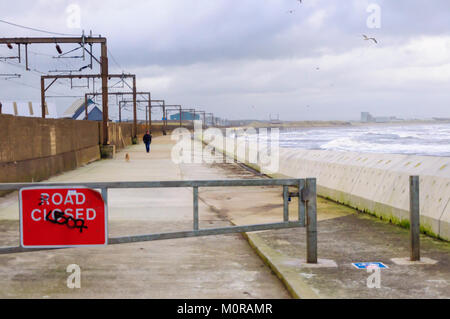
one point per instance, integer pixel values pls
(411, 139)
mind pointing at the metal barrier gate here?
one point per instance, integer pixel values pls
(307, 209)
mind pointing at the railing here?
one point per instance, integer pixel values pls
(307, 210)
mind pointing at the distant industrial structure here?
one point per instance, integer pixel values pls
(185, 116)
(366, 117)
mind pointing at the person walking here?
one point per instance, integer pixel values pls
(147, 141)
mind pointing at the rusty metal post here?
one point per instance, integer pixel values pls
(104, 75)
(120, 111)
(146, 118)
(149, 107)
(164, 116)
(1, 107)
(150, 111)
(86, 106)
(134, 108)
(414, 217)
(43, 97)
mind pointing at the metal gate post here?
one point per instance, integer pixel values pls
(311, 222)
(285, 203)
(105, 195)
(195, 207)
(414, 218)
(301, 203)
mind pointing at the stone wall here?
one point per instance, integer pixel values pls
(33, 149)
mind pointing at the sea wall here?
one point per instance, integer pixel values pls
(375, 183)
(33, 149)
(378, 183)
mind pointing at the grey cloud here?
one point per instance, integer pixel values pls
(229, 55)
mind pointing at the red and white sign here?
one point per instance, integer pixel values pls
(62, 217)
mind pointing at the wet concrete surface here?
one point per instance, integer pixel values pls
(206, 267)
(217, 266)
(345, 236)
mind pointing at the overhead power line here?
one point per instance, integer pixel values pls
(37, 30)
(114, 60)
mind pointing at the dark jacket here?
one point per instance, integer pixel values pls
(147, 138)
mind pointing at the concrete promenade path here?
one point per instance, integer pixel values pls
(206, 267)
(226, 266)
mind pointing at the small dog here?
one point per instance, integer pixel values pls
(127, 157)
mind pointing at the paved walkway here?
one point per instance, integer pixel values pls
(218, 266)
(207, 267)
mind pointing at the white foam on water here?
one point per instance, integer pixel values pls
(422, 139)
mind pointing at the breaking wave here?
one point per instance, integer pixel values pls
(431, 139)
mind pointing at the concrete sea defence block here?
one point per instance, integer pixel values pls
(374, 183)
(379, 183)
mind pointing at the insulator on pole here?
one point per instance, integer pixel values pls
(58, 48)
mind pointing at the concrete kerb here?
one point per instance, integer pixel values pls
(291, 279)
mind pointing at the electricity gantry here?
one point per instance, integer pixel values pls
(86, 44)
(174, 107)
(73, 40)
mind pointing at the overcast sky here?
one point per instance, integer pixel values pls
(252, 58)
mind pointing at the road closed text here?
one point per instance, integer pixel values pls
(55, 217)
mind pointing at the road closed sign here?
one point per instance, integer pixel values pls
(62, 217)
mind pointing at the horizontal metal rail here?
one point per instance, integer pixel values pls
(170, 235)
(307, 214)
(160, 184)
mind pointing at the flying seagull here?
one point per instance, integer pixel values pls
(367, 38)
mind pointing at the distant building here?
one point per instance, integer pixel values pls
(77, 111)
(445, 119)
(29, 109)
(185, 116)
(366, 117)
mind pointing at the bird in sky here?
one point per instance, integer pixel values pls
(367, 38)
(290, 11)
